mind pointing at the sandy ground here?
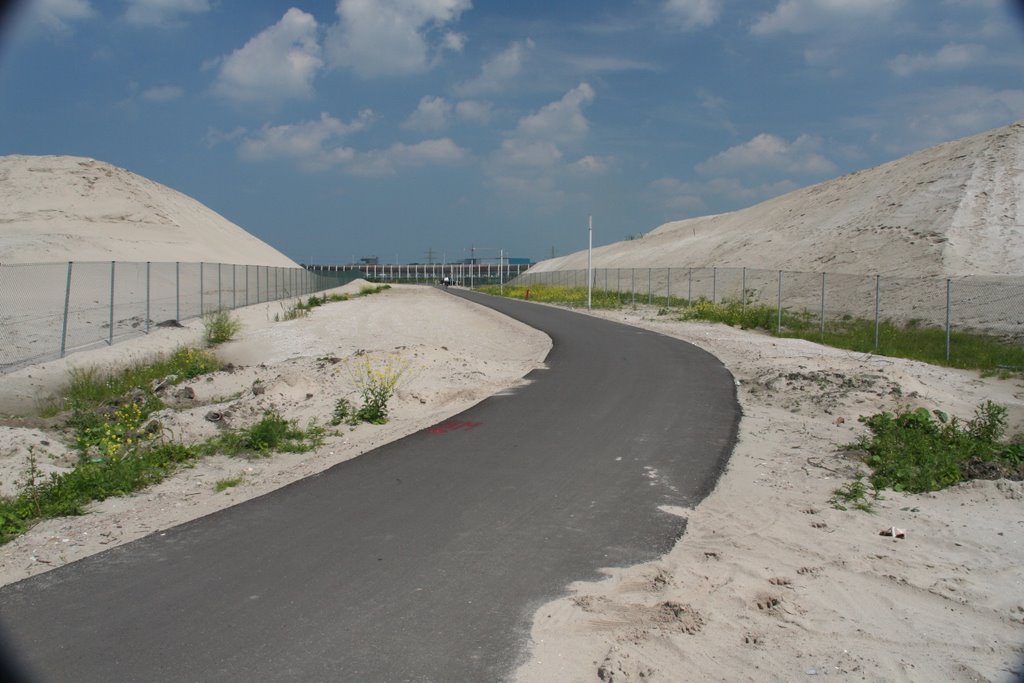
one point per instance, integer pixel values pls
(769, 583)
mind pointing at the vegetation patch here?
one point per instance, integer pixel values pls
(918, 451)
(300, 309)
(220, 326)
(120, 452)
(990, 354)
(272, 434)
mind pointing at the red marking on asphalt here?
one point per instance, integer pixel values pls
(454, 426)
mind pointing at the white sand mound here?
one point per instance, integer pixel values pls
(63, 208)
(954, 209)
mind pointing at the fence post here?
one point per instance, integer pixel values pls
(201, 310)
(257, 284)
(110, 321)
(823, 305)
(778, 329)
(234, 286)
(949, 285)
(247, 284)
(878, 289)
(67, 302)
(220, 287)
(177, 290)
(147, 297)
(668, 287)
(743, 292)
(714, 285)
(649, 291)
(689, 286)
(632, 284)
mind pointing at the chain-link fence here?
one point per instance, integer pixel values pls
(991, 305)
(50, 309)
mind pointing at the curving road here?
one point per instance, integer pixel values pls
(423, 560)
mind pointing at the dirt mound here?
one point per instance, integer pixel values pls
(63, 208)
(953, 209)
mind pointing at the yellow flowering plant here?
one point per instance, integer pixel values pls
(376, 382)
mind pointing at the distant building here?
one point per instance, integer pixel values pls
(370, 260)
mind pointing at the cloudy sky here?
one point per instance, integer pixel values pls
(401, 128)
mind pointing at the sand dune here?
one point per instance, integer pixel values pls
(64, 208)
(953, 209)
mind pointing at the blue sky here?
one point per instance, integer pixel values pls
(341, 129)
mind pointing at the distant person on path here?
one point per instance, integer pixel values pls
(446, 281)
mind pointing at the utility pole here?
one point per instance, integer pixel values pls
(430, 256)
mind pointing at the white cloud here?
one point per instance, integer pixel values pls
(312, 143)
(162, 93)
(58, 15)
(952, 56)
(388, 161)
(317, 146)
(530, 153)
(499, 71)
(561, 121)
(215, 136)
(433, 113)
(923, 118)
(590, 165)
(690, 14)
(454, 41)
(474, 111)
(390, 37)
(806, 16)
(767, 151)
(531, 159)
(279, 63)
(695, 199)
(162, 12)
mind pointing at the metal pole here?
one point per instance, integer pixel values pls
(234, 286)
(590, 261)
(67, 302)
(650, 292)
(200, 289)
(949, 287)
(743, 292)
(878, 288)
(689, 286)
(778, 329)
(220, 287)
(668, 287)
(110, 322)
(714, 285)
(177, 290)
(147, 297)
(823, 304)
(632, 284)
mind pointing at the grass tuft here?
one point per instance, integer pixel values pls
(220, 326)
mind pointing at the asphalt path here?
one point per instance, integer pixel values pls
(422, 560)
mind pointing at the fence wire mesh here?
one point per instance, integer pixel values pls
(833, 302)
(50, 309)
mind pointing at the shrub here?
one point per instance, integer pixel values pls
(220, 327)
(918, 451)
(376, 383)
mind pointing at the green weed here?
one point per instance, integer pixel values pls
(225, 484)
(220, 326)
(854, 495)
(272, 434)
(376, 383)
(918, 451)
